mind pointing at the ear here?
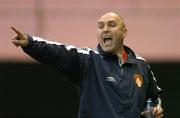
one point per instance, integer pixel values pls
(124, 31)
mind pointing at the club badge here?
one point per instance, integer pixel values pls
(138, 79)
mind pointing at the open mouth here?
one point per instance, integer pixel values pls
(107, 39)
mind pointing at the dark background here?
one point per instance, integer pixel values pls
(36, 90)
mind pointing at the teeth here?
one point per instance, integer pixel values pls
(107, 37)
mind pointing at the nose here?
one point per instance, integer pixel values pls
(106, 28)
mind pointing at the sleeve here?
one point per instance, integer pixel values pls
(153, 91)
(66, 58)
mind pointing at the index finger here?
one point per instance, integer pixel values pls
(17, 31)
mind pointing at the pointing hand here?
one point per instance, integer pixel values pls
(20, 39)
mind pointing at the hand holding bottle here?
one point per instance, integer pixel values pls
(152, 112)
(149, 109)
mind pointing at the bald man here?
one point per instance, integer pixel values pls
(113, 81)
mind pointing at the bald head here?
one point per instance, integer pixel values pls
(114, 16)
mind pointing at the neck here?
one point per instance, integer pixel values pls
(120, 55)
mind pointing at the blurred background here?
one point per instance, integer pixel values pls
(30, 89)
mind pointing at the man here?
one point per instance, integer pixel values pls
(113, 81)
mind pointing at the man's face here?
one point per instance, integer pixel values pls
(110, 32)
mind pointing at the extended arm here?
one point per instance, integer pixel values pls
(65, 58)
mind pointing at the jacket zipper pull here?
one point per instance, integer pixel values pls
(120, 64)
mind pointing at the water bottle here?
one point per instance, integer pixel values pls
(149, 109)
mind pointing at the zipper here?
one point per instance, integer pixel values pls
(120, 64)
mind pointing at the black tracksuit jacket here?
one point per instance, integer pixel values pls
(107, 88)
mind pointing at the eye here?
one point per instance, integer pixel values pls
(112, 24)
(100, 25)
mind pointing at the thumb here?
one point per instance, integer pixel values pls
(18, 43)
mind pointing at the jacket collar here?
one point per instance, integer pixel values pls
(131, 57)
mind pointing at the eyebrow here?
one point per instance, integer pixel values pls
(111, 21)
(100, 22)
